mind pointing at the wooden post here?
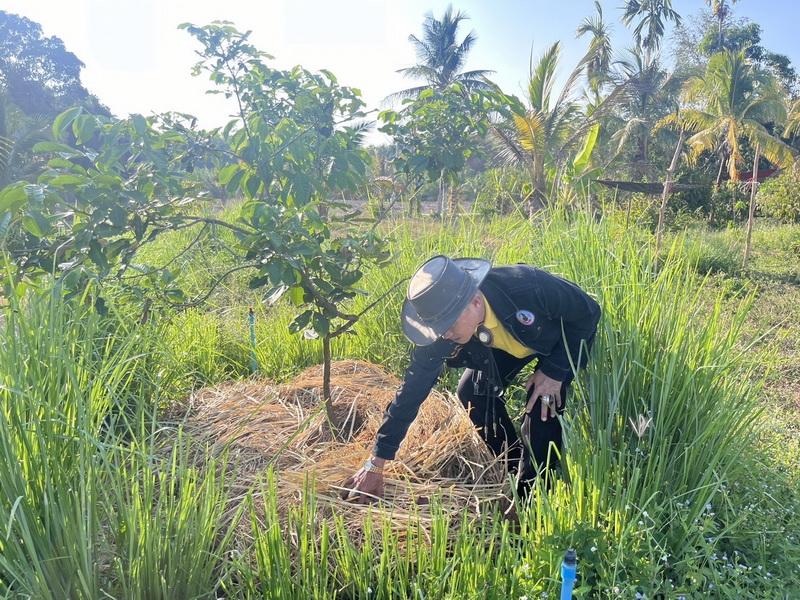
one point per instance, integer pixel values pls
(665, 195)
(752, 211)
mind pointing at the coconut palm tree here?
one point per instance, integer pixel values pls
(652, 17)
(539, 134)
(793, 120)
(597, 71)
(721, 10)
(733, 101)
(441, 56)
(646, 88)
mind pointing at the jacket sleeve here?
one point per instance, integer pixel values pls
(578, 313)
(427, 364)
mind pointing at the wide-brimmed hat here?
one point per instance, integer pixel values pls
(438, 293)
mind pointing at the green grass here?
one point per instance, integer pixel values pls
(100, 498)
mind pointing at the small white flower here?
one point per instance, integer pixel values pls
(523, 598)
(640, 425)
(544, 595)
(593, 548)
(646, 514)
(369, 590)
(664, 558)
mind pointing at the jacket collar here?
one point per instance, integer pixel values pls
(502, 305)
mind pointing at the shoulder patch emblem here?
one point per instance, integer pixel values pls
(525, 317)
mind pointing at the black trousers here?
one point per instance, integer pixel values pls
(490, 417)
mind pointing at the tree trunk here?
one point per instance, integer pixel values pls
(441, 197)
(452, 202)
(538, 198)
(716, 188)
(665, 195)
(752, 211)
(326, 381)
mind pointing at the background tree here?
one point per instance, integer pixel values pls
(442, 57)
(651, 17)
(733, 101)
(538, 135)
(745, 35)
(294, 146)
(647, 93)
(598, 68)
(721, 10)
(435, 134)
(38, 73)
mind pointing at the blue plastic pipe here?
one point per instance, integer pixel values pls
(251, 317)
(569, 571)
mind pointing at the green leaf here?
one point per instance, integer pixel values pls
(233, 185)
(118, 216)
(66, 179)
(13, 197)
(585, 155)
(300, 321)
(83, 128)
(55, 147)
(257, 282)
(64, 120)
(321, 325)
(36, 224)
(139, 124)
(175, 295)
(226, 173)
(296, 294)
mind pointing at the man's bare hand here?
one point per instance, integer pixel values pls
(539, 385)
(364, 487)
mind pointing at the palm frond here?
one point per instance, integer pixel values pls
(406, 94)
(506, 148)
(793, 120)
(542, 78)
(774, 150)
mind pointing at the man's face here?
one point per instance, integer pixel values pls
(467, 321)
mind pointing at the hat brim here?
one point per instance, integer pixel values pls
(422, 334)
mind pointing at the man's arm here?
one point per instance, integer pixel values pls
(427, 364)
(579, 313)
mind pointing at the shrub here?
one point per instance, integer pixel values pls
(779, 196)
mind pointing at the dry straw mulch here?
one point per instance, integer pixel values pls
(259, 423)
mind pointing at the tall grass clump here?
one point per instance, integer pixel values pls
(92, 506)
(167, 529)
(66, 385)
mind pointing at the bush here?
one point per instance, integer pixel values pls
(779, 196)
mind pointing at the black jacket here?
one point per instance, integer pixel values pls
(554, 302)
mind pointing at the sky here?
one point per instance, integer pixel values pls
(138, 61)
